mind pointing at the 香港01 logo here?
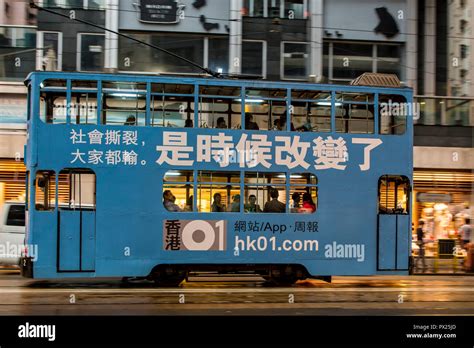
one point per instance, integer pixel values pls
(194, 235)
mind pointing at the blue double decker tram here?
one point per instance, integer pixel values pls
(154, 176)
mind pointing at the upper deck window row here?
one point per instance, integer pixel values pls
(223, 107)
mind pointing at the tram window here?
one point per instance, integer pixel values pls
(123, 103)
(303, 193)
(311, 117)
(81, 189)
(171, 111)
(257, 192)
(355, 113)
(178, 191)
(267, 107)
(218, 192)
(172, 88)
(223, 91)
(393, 113)
(45, 190)
(217, 113)
(53, 107)
(83, 108)
(123, 108)
(311, 110)
(394, 194)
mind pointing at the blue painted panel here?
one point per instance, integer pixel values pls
(131, 215)
(88, 240)
(403, 241)
(387, 234)
(69, 240)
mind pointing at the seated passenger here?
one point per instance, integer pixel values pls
(221, 123)
(188, 123)
(282, 124)
(216, 206)
(296, 197)
(252, 207)
(235, 206)
(189, 204)
(168, 201)
(308, 204)
(249, 123)
(274, 206)
(131, 121)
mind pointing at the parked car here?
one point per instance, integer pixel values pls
(12, 232)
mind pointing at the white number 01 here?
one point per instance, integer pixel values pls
(209, 235)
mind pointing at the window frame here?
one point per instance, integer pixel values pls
(79, 52)
(264, 55)
(40, 49)
(374, 57)
(393, 178)
(282, 60)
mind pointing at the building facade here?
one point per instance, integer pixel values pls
(427, 43)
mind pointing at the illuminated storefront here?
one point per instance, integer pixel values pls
(442, 200)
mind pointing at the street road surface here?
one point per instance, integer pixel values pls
(240, 295)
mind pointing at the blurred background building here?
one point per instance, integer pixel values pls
(427, 43)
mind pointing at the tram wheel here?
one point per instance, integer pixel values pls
(168, 282)
(168, 277)
(283, 276)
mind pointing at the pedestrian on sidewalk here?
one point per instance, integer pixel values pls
(421, 245)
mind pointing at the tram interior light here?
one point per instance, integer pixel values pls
(328, 103)
(249, 100)
(124, 95)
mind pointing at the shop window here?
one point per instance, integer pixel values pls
(265, 192)
(303, 193)
(388, 59)
(354, 113)
(50, 50)
(45, 190)
(218, 54)
(134, 57)
(254, 58)
(80, 186)
(178, 194)
(90, 55)
(351, 60)
(18, 44)
(344, 61)
(311, 110)
(295, 9)
(218, 192)
(290, 9)
(294, 60)
(255, 8)
(393, 113)
(394, 194)
(16, 215)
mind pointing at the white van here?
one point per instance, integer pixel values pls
(12, 232)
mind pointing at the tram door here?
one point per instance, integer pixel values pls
(76, 221)
(393, 223)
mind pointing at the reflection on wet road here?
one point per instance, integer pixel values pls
(242, 295)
